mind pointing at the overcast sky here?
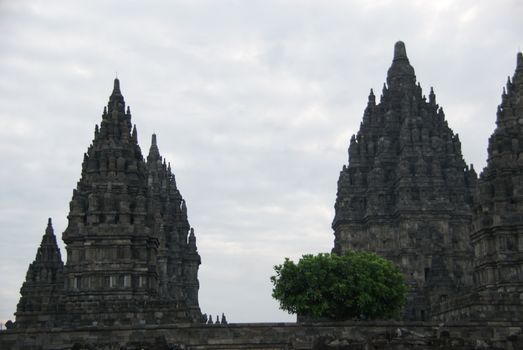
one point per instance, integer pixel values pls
(253, 103)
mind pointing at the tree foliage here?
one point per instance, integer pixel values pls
(354, 285)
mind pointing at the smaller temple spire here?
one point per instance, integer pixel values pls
(372, 98)
(432, 96)
(134, 134)
(154, 152)
(192, 240)
(519, 64)
(48, 240)
(41, 291)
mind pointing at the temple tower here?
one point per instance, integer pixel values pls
(178, 258)
(42, 291)
(407, 193)
(126, 219)
(497, 234)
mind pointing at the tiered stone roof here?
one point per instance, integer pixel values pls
(406, 192)
(43, 287)
(131, 253)
(498, 224)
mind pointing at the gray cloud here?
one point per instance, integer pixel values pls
(253, 103)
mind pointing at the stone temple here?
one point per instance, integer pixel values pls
(408, 195)
(131, 253)
(131, 277)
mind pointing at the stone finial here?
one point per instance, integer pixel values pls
(432, 96)
(400, 75)
(372, 98)
(472, 170)
(116, 87)
(519, 61)
(134, 134)
(217, 319)
(224, 320)
(116, 100)
(400, 53)
(154, 152)
(210, 320)
(49, 230)
(192, 240)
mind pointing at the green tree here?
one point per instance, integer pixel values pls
(354, 285)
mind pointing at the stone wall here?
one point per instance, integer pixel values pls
(347, 335)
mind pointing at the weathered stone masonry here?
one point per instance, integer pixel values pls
(131, 253)
(130, 281)
(407, 193)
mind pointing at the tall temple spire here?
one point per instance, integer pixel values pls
(127, 233)
(497, 220)
(405, 165)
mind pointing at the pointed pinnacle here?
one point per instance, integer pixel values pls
(432, 96)
(135, 133)
(49, 230)
(154, 152)
(116, 87)
(372, 98)
(519, 61)
(400, 53)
